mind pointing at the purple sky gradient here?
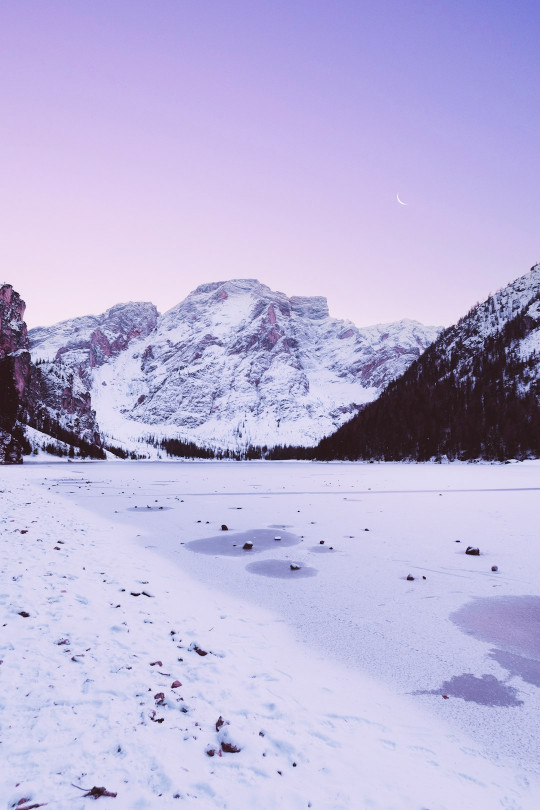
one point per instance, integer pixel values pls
(148, 147)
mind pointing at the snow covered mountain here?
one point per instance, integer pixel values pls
(233, 364)
(474, 393)
(90, 341)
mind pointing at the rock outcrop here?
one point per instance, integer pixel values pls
(15, 367)
(90, 341)
(55, 400)
(13, 333)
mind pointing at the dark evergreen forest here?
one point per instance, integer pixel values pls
(42, 421)
(454, 403)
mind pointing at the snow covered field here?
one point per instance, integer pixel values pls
(342, 683)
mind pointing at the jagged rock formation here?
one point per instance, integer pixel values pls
(90, 341)
(14, 371)
(233, 364)
(13, 333)
(53, 400)
(474, 393)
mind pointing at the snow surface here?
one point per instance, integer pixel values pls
(332, 686)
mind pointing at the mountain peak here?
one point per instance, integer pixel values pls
(314, 307)
(232, 285)
(234, 363)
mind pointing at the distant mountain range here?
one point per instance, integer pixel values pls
(234, 364)
(475, 392)
(237, 366)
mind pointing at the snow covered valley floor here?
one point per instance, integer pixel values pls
(145, 652)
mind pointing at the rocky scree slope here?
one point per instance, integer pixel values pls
(233, 364)
(474, 393)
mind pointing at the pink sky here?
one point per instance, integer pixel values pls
(148, 147)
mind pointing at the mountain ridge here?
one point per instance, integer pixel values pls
(234, 363)
(474, 393)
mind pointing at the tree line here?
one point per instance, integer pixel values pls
(456, 403)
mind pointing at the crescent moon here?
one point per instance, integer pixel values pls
(400, 201)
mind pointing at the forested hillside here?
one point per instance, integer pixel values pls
(474, 393)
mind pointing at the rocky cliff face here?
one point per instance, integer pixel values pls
(13, 334)
(13, 337)
(15, 368)
(234, 363)
(55, 399)
(90, 341)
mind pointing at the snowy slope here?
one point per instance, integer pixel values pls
(518, 302)
(234, 363)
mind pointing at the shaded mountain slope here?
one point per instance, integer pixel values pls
(475, 392)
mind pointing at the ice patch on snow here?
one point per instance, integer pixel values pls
(232, 543)
(281, 569)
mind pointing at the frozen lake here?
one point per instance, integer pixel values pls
(358, 531)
